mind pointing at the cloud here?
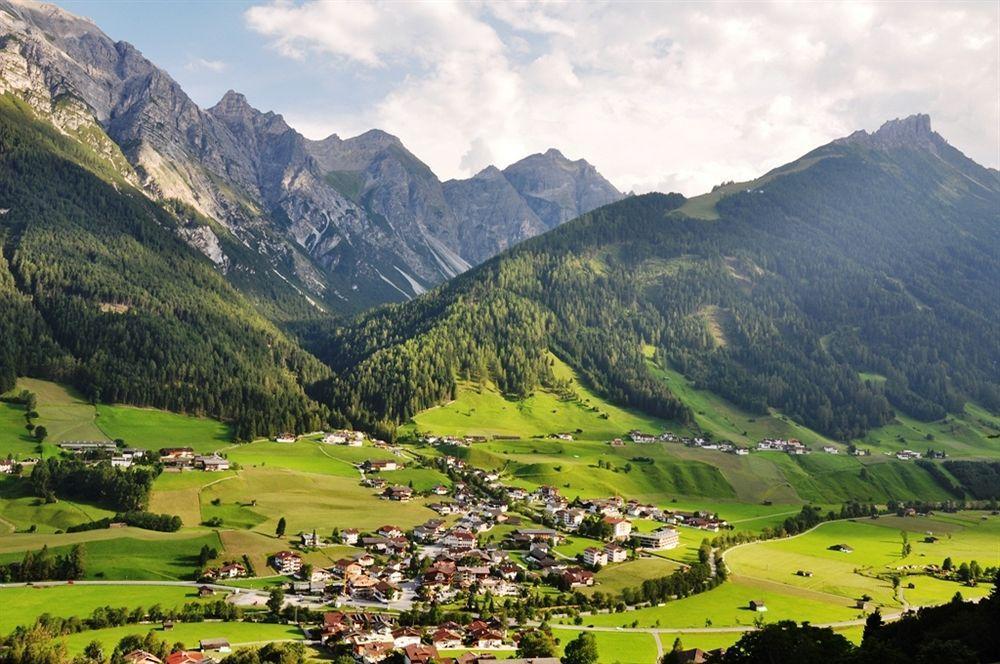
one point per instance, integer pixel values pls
(656, 95)
(201, 64)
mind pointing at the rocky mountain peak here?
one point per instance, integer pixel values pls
(912, 131)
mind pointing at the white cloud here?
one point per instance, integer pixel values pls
(201, 64)
(656, 95)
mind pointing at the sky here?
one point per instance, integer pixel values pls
(659, 96)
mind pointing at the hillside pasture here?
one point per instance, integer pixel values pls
(188, 633)
(154, 429)
(20, 509)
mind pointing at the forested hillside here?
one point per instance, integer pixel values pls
(877, 255)
(97, 289)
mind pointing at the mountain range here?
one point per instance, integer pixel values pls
(346, 222)
(217, 262)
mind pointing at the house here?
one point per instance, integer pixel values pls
(758, 605)
(116, 462)
(7, 466)
(371, 652)
(185, 657)
(205, 591)
(346, 568)
(658, 540)
(615, 553)
(440, 490)
(232, 571)
(141, 657)
(406, 636)
(446, 639)
(285, 438)
(350, 536)
(215, 645)
(830, 449)
(176, 455)
(419, 654)
(842, 548)
(309, 539)
(344, 437)
(571, 518)
(379, 465)
(211, 464)
(593, 556)
(693, 656)
(575, 576)
(286, 562)
(620, 528)
(401, 494)
(390, 531)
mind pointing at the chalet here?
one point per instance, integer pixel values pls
(285, 438)
(419, 654)
(141, 657)
(615, 553)
(185, 657)
(593, 556)
(508, 571)
(616, 442)
(693, 656)
(371, 652)
(488, 640)
(907, 455)
(349, 535)
(286, 562)
(345, 568)
(211, 464)
(516, 493)
(658, 540)
(365, 559)
(440, 490)
(215, 645)
(379, 465)
(620, 528)
(830, 449)
(390, 531)
(176, 456)
(571, 518)
(575, 576)
(398, 493)
(538, 535)
(386, 592)
(344, 437)
(758, 605)
(459, 539)
(741, 451)
(406, 636)
(309, 539)
(446, 639)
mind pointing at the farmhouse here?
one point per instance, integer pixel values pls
(379, 465)
(575, 576)
(419, 654)
(349, 535)
(285, 438)
(398, 493)
(658, 540)
(211, 464)
(141, 657)
(185, 657)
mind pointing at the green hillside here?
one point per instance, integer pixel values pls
(98, 290)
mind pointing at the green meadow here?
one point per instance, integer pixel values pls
(621, 647)
(481, 410)
(138, 558)
(188, 634)
(23, 604)
(155, 429)
(20, 509)
(14, 438)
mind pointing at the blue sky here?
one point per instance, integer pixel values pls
(659, 96)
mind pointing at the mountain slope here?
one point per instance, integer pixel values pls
(874, 254)
(337, 224)
(97, 289)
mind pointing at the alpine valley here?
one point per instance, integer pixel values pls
(602, 421)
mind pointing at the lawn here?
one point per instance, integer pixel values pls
(14, 438)
(483, 411)
(172, 558)
(187, 633)
(154, 429)
(22, 605)
(616, 647)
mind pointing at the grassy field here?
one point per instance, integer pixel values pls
(19, 509)
(153, 429)
(616, 577)
(187, 633)
(612, 647)
(14, 438)
(138, 557)
(306, 500)
(180, 493)
(483, 411)
(22, 605)
(63, 412)
(963, 435)
(877, 548)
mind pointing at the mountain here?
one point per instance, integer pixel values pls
(501, 208)
(331, 226)
(98, 289)
(854, 282)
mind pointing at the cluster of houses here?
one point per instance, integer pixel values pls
(908, 455)
(99, 450)
(211, 651)
(230, 570)
(374, 637)
(185, 458)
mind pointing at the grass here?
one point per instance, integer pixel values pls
(14, 438)
(133, 558)
(180, 493)
(617, 576)
(154, 429)
(306, 501)
(621, 648)
(877, 548)
(20, 509)
(966, 434)
(22, 605)
(64, 413)
(484, 411)
(187, 633)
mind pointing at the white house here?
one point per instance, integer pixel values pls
(658, 540)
